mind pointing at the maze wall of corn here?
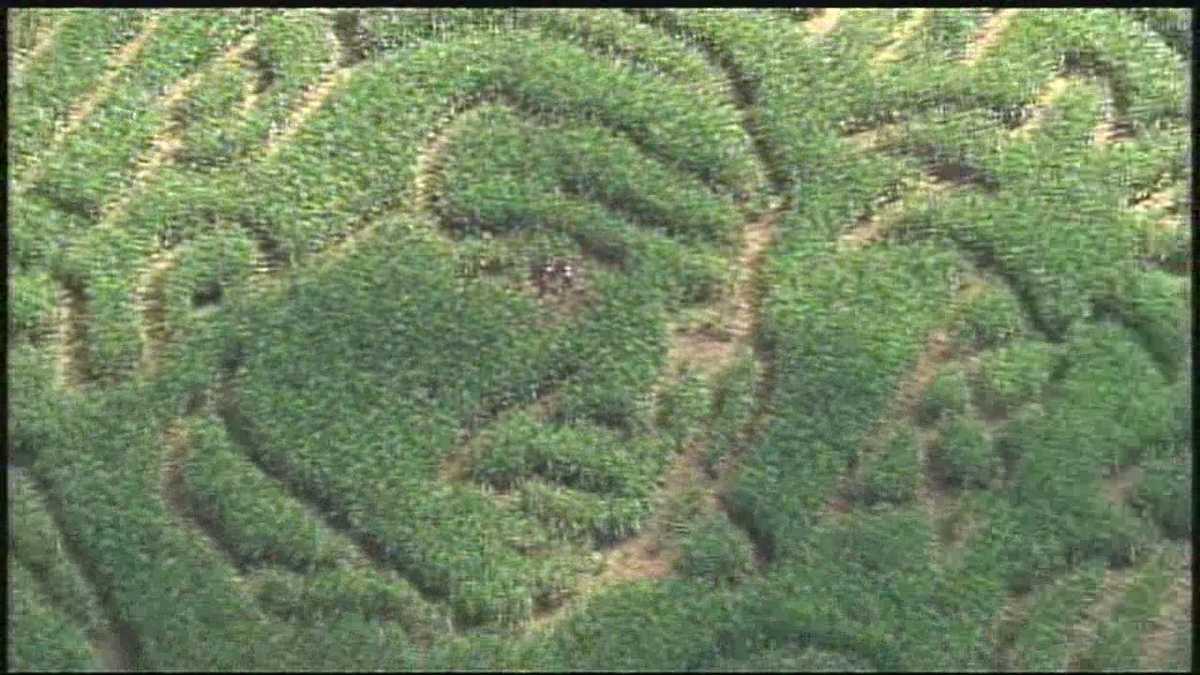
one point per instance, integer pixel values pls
(424, 339)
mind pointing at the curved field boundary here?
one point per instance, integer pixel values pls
(175, 499)
(313, 98)
(81, 110)
(169, 139)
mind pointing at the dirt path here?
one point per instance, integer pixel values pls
(150, 303)
(174, 496)
(169, 138)
(989, 34)
(1041, 107)
(824, 22)
(72, 361)
(903, 406)
(899, 37)
(84, 108)
(874, 229)
(313, 98)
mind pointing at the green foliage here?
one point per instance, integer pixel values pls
(335, 593)
(39, 637)
(1118, 640)
(948, 394)
(683, 409)
(73, 65)
(1015, 373)
(257, 518)
(1038, 642)
(715, 551)
(585, 457)
(37, 545)
(895, 475)
(964, 453)
(574, 514)
(31, 304)
(1165, 492)
(991, 319)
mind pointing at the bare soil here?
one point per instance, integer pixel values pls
(1174, 620)
(1083, 634)
(874, 228)
(824, 22)
(72, 361)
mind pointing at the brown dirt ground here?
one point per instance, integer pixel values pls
(150, 302)
(874, 229)
(1174, 619)
(824, 22)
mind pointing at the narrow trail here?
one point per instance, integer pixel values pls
(71, 364)
(168, 140)
(150, 303)
(174, 497)
(900, 37)
(989, 34)
(1004, 627)
(1041, 107)
(903, 406)
(648, 554)
(43, 38)
(822, 24)
(874, 228)
(1084, 634)
(313, 98)
(79, 112)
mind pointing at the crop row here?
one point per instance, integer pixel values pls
(40, 637)
(34, 541)
(182, 202)
(415, 336)
(74, 63)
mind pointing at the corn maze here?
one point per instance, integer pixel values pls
(599, 339)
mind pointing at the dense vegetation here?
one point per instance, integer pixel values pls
(599, 339)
